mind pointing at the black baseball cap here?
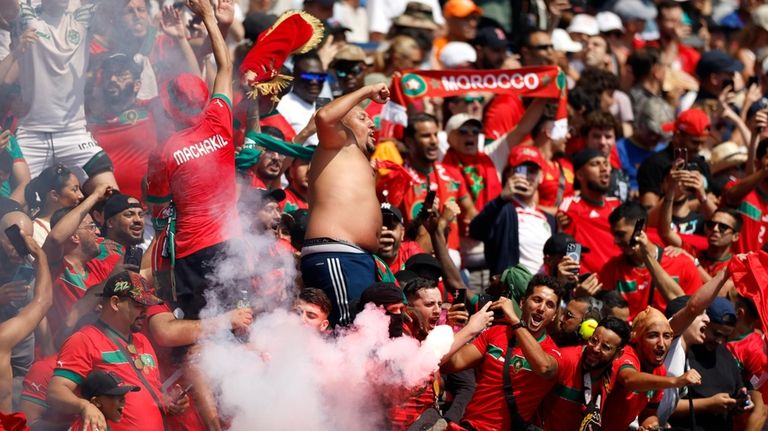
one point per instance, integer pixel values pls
(424, 265)
(118, 203)
(583, 157)
(558, 244)
(492, 37)
(717, 61)
(386, 207)
(103, 383)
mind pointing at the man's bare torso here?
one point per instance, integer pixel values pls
(342, 198)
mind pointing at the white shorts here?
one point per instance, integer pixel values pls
(76, 149)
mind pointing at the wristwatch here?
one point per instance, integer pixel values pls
(519, 324)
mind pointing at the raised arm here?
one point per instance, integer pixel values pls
(541, 362)
(638, 381)
(698, 302)
(222, 84)
(666, 284)
(15, 329)
(499, 149)
(331, 133)
(67, 226)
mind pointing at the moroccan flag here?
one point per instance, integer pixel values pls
(545, 81)
(750, 277)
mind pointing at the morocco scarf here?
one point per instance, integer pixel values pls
(545, 81)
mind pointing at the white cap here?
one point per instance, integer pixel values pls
(760, 16)
(459, 120)
(583, 23)
(562, 41)
(609, 21)
(456, 54)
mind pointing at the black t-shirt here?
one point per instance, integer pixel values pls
(651, 174)
(719, 373)
(692, 224)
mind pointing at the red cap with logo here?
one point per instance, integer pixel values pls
(693, 122)
(525, 154)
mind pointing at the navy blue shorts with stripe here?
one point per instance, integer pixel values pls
(342, 276)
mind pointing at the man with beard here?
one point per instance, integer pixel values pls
(722, 395)
(640, 374)
(392, 249)
(491, 45)
(593, 174)
(429, 174)
(578, 310)
(125, 129)
(643, 274)
(71, 244)
(520, 348)
(123, 231)
(584, 377)
(267, 171)
(114, 344)
(345, 216)
(297, 192)
(298, 106)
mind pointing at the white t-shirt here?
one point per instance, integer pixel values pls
(297, 112)
(675, 364)
(382, 12)
(533, 231)
(53, 69)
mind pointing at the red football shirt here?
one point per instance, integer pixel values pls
(407, 249)
(128, 140)
(488, 408)
(634, 282)
(196, 168)
(34, 389)
(579, 209)
(448, 187)
(550, 184)
(292, 201)
(754, 212)
(566, 404)
(68, 287)
(750, 351)
(622, 405)
(89, 349)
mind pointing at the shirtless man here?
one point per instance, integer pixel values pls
(344, 212)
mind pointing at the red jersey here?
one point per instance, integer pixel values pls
(293, 201)
(634, 282)
(754, 212)
(751, 353)
(407, 249)
(91, 349)
(487, 411)
(551, 184)
(712, 266)
(196, 167)
(479, 174)
(566, 404)
(502, 115)
(68, 287)
(448, 187)
(34, 389)
(128, 140)
(110, 254)
(579, 210)
(623, 405)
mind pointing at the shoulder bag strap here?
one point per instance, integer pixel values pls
(691, 412)
(518, 423)
(560, 185)
(113, 338)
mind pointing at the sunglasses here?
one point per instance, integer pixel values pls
(471, 99)
(722, 227)
(469, 131)
(313, 76)
(354, 71)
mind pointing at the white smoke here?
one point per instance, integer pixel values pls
(288, 376)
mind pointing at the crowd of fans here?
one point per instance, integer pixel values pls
(589, 275)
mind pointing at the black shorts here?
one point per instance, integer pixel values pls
(192, 274)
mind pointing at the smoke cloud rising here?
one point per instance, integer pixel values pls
(288, 376)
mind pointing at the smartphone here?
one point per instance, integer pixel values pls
(388, 220)
(460, 296)
(727, 83)
(521, 171)
(322, 101)
(681, 154)
(17, 241)
(429, 202)
(753, 80)
(24, 273)
(639, 226)
(133, 256)
(573, 250)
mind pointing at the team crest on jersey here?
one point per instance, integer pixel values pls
(73, 36)
(517, 364)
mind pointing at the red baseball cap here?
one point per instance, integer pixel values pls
(184, 98)
(693, 122)
(525, 154)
